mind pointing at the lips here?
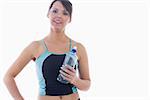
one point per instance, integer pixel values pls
(57, 21)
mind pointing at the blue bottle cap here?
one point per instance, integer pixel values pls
(74, 50)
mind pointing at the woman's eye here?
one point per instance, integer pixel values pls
(66, 13)
(54, 11)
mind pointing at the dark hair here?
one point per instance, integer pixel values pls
(66, 4)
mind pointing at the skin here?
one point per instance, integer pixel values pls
(57, 42)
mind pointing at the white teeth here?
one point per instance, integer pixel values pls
(58, 22)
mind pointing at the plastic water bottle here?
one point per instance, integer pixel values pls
(70, 60)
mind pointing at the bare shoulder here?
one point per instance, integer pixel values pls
(80, 46)
(35, 48)
(34, 44)
(32, 49)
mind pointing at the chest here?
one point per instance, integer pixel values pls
(58, 47)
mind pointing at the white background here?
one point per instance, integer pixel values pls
(115, 33)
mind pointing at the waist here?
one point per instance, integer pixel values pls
(73, 96)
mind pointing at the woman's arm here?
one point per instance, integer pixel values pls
(83, 81)
(24, 58)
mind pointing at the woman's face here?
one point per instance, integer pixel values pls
(59, 16)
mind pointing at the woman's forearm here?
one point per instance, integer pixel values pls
(12, 87)
(82, 84)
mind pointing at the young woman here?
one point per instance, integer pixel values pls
(48, 54)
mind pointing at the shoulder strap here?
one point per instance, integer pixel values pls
(43, 44)
(71, 46)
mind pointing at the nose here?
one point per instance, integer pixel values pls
(59, 14)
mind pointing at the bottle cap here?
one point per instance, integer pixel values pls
(74, 49)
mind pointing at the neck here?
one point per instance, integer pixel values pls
(57, 36)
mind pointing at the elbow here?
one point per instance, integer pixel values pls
(7, 77)
(86, 86)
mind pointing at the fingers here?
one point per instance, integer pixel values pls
(66, 78)
(68, 73)
(71, 80)
(66, 70)
(69, 67)
(65, 74)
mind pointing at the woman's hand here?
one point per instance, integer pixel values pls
(68, 73)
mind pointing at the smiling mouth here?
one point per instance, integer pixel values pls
(57, 22)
